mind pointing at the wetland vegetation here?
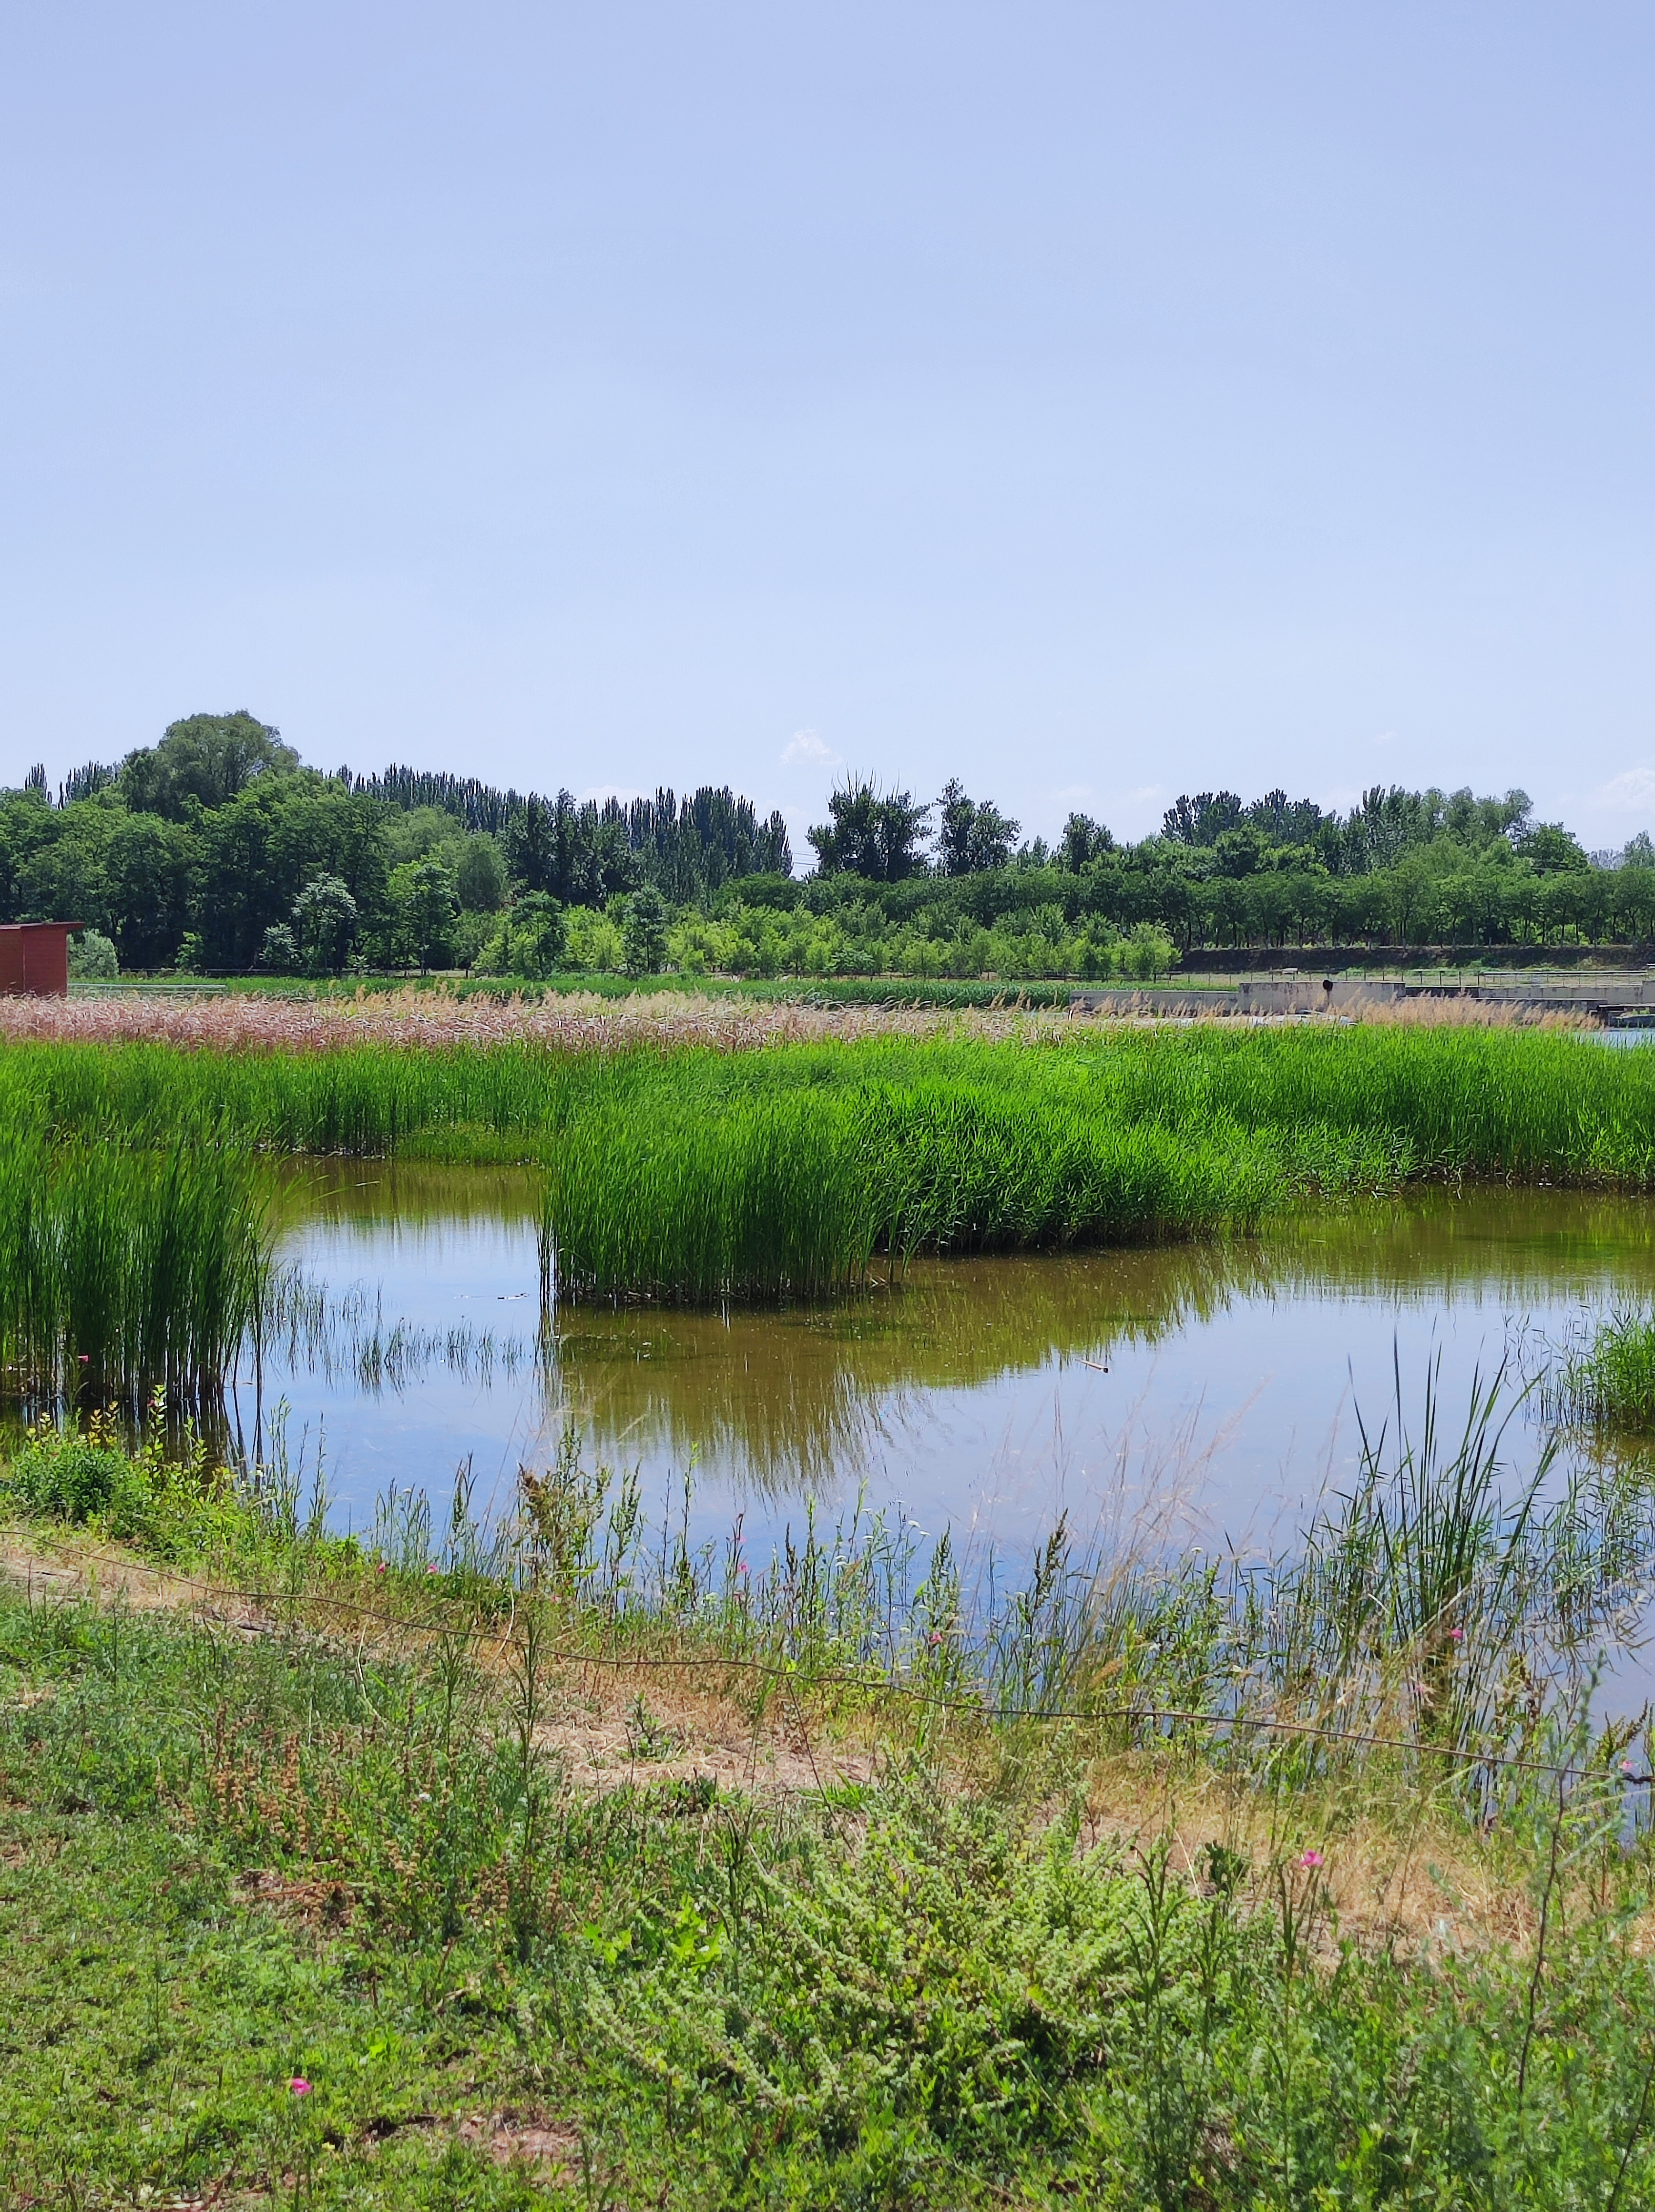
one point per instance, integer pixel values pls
(411, 1867)
(410, 1871)
(701, 1174)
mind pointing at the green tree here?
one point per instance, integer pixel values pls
(536, 935)
(1550, 849)
(468, 937)
(423, 905)
(146, 867)
(207, 759)
(644, 932)
(65, 874)
(480, 877)
(257, 855)
(325, 920)
(1082, 842)
(970, 835)
(279, 954)
(873, 834)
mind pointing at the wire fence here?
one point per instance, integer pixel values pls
(875, 1687)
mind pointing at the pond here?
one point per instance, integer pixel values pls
(1204, 1391)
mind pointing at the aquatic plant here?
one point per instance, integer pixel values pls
(1609, 1381)
(794, 1193)
(122, 1269)
(1473, 1102)
(701, 1172)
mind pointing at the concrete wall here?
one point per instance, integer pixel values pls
(1288, 995)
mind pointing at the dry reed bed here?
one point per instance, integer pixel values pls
(436, 1020)
(585, 1022)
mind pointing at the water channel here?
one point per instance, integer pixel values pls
(1204, 1392)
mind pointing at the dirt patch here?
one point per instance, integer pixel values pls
(88, 1569)
(550, 2149)
(321, 1905)
(601, 1745)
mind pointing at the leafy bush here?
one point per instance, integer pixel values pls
(60, 1477)
(279, 953)
(169, 1504)
(92, 957)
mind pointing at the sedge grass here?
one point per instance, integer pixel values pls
(1609, 1382)
(794, 1194)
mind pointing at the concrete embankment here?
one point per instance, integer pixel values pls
(1627, 998)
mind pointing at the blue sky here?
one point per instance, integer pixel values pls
(1094, 402)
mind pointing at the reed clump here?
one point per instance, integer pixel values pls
(122, 1270)
(795, 1193)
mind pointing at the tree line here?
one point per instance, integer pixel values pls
(217, 849)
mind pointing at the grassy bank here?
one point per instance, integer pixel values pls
(695, 1172)
(813, 1883)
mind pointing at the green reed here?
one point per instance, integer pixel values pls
(1523, 1104)
(795, 1194)
(121, 1270)
(695, 1173)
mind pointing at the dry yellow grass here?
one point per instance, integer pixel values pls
(585, 1022)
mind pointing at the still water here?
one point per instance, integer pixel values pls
(1206, 1392)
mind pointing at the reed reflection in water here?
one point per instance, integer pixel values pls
(984, 1393)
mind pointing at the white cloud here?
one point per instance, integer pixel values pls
(1630, 792)
(804, 748)
(600, 791)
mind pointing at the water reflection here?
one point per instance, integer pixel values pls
(796, 1398)
(988, 1393)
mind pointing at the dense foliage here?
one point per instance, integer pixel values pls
(216, 850)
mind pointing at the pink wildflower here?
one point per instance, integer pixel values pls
(1457, 1636)
(299, 2086)
(1313, 1858)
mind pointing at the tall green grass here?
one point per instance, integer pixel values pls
(696, 1173)
(795, 1193)
(1526, 1104)
(124, 1270)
